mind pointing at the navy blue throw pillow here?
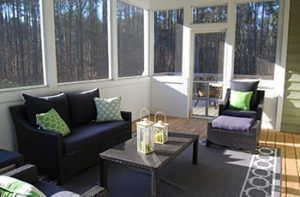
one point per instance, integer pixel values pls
(82, 106)
(36, 105)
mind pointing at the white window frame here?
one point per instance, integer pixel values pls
(152, 41)
(230, 27)
(49, 49)
(147, 38)
(193, 34)
(207, 5)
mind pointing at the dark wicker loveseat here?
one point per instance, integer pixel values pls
(62, 157)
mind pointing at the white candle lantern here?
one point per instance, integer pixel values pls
(145, 139)
(160, 130)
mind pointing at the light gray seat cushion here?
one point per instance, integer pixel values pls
(233, 123)
(65, 194)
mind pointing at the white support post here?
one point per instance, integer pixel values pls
(113, 39)
(48, 42)
(109, 39)
(187, 57)
(151, 43)
(281, 57)
(229, 47)
(186, 43)
(146, 43)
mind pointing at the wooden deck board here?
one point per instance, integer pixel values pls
(271, 139)
(280, 144)
(287, 142)
(297, 151)
(292, 178)
(263, 137)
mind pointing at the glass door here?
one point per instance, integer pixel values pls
(208, 73)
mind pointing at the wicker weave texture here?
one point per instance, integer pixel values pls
(236, 139)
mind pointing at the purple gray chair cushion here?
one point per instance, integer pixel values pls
(240, 113)
(233, 123)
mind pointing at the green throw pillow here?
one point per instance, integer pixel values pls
(51, 121)
(108, 109)
(13, 187)
(240, 100)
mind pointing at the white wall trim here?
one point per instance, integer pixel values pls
(281, 57)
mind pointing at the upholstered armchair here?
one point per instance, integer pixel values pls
(238, 127)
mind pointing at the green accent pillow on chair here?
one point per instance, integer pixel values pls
(13, 187)
(51, 121)
(108, 109)
(240, 100)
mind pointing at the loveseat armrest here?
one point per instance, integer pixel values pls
(39, 147)
(126, 116)
(27, 173)
(30, 137)
(95, 191)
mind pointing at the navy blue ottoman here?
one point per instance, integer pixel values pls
(236, 132)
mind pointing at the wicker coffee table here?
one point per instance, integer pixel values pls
(127, 154)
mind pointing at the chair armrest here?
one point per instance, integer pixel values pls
(95, 191)
(259, 111)
(221, 108)
(255, 130)
(260, 104)
(27, 173)
(126, 116)
(225, 103)
(261, 96)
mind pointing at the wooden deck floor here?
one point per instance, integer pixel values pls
(288, 143)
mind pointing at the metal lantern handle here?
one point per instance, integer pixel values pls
(141, 113)
(160, 112)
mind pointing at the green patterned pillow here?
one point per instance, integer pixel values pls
(108, 109)
(51, 121)
(13, 187)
